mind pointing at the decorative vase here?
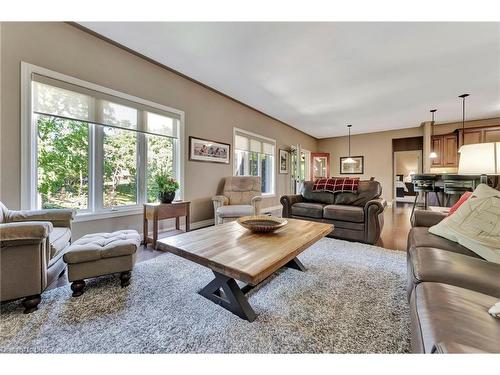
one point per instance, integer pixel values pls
(166, 196)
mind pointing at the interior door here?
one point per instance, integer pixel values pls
(320, 165)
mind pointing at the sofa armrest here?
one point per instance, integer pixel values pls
(374, 219)
(221, 200)
(426, 218)
(24, 233)
(287, 201)
(256, 204)
(58, 217)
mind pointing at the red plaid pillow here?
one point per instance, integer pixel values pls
(337, 184)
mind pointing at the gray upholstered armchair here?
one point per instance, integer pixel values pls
(241, 197)
(32, 245)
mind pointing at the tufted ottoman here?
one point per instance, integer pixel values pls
(101, 254)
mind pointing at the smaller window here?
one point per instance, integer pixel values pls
(254, 156)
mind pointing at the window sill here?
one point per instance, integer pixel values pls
(108, 214)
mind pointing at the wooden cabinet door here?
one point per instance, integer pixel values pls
(472, 137)
(492, 135)
(450, 152)
(437, 147)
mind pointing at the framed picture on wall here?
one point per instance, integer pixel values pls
(352, 168)
(209, 151)
(284, 161)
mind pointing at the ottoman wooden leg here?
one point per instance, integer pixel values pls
(125, 278)
(31, 303)
(77, 287)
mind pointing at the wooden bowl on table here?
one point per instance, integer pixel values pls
(262, 223)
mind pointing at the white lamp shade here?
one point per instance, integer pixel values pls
(349, 160)
(480, 158)
(433, 155)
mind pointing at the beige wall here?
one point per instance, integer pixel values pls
(65, 49)
(377, 151)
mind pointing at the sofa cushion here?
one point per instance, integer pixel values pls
(426, 264)
(103, 245)
(307, 192)
(337, 184)
(59, 239)
(307, 209)
(241, 189)
(420, 237)
(447, 313)
(237, 210)
(353, 214)
(367, 190)
(475, 224)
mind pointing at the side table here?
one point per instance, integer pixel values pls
(162, 211)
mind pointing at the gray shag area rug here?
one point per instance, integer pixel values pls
(351, 300)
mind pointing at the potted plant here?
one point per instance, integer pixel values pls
(167, 186)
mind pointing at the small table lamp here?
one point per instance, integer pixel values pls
(480, 158)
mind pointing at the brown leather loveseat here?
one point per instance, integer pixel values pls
(356, 216)
(450, 289)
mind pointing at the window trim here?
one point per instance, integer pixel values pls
(271, 140)
(29, 145)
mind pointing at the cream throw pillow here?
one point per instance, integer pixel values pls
(476, 224)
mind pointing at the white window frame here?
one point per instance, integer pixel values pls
(247, 167)
(29, 176)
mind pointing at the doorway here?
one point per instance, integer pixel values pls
(406, 164)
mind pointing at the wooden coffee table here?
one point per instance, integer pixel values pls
(233, 252)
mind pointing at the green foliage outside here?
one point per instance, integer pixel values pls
(63, 163)
(63, 160)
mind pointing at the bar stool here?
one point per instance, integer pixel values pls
(424, 184)
(457, 185)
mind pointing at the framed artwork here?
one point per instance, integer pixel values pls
(209, 151)
(352, 168)
(284, 161)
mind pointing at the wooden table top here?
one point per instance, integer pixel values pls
(236, 252)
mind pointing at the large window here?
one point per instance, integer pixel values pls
(254, 156)
(92, 149)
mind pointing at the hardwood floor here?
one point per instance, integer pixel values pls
(396, 226)
(393, 237)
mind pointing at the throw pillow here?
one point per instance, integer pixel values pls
(337, 184)
(475, 224)
(462, 199)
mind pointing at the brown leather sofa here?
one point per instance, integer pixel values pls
(32, 245)
(356, 216)
(450, 289)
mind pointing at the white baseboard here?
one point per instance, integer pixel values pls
(195, 225)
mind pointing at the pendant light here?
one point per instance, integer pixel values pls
(349, 160)
(463, 96)
(433, 154)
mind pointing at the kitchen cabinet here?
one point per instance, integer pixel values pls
(479, 135)
(446, 148)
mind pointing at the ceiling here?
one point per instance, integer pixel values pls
(318, 77)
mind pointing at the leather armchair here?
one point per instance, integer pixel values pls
(32, 244)
(241, 197)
